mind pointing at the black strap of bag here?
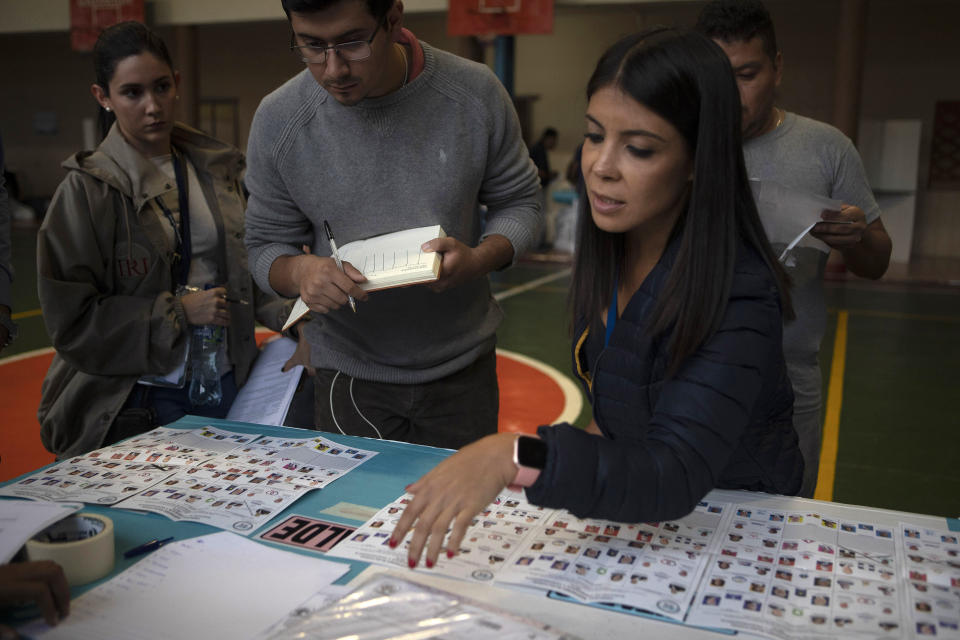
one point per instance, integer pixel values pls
(181, 231)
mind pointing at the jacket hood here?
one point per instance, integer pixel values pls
(118, 164)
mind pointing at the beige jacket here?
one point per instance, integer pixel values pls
(106, 279)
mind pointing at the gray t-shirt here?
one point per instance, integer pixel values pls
(816, 158)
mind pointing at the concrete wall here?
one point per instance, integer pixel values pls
(912, 59)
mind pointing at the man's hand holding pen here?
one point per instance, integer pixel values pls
(324, 287)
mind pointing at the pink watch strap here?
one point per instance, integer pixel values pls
(525, 477)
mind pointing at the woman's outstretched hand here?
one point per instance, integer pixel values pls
(452, 493)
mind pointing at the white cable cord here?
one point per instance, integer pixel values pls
(360, 413)
(332, 414)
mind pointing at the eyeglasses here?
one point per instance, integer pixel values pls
(349, 51)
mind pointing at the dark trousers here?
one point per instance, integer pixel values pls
(450, 412)
(149, 407)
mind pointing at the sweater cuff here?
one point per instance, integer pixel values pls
(264, 261)
(518, 234)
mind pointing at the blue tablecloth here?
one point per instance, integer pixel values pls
(373, 484)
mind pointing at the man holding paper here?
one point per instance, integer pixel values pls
(805, 156)
(380, 133)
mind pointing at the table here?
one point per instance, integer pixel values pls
(382, 478)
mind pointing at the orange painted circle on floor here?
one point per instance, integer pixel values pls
(20, 380)
(529, 397)
(531, 394)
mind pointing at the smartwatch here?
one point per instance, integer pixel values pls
(12, 328)
(530, 456)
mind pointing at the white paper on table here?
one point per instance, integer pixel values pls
(216, 586)
(390, 607)
(265, 397)
(227, 501)
(94, 481)
(21, 519)
(311, 462)
(517, 543)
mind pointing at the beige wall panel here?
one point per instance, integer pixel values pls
(912, 60)
(937, 227)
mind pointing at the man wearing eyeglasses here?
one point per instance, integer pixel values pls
(383, 132)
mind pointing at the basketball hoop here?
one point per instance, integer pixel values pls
(499, 6)
(499, 17)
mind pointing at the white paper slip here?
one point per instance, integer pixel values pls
(788, 215)
(21, 519)
(216, 586)
(265, 397)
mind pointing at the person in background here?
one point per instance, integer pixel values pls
(382, 132)
(134, 232)
(8, 328)
(808, 156)
(539, 154)
(678, 304)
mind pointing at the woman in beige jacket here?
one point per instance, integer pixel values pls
(118, 285)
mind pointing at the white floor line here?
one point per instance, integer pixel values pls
(533, 284)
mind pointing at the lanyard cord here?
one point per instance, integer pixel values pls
(181, 231)
(611, 315)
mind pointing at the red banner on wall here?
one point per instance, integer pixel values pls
(499, 17)
(89, 17)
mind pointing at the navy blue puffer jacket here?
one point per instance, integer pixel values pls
(724, 420)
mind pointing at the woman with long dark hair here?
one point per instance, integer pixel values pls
(678, 304)
(142, 242)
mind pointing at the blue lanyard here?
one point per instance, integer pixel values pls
(611, 316)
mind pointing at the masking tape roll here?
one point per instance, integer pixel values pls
(82, 544)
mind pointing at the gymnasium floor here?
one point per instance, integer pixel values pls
(892, 435)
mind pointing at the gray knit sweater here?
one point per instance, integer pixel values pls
(428, 153)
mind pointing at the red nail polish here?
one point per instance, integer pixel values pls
(411, 563)
(392, 543)
(429, 563)
(449, 553)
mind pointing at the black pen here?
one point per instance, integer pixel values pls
(335, 253)
(147, 547)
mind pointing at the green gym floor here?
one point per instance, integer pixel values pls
(888, 358)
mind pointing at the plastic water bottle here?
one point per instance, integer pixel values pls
(205, 344)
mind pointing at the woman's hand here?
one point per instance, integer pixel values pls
(207, 307)
(454, 492)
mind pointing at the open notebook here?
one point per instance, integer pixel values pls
(389, 260)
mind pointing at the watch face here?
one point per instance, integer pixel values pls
(531, 452)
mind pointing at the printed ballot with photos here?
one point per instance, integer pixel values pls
(768, 565)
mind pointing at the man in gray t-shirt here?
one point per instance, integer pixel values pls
(808, 156)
